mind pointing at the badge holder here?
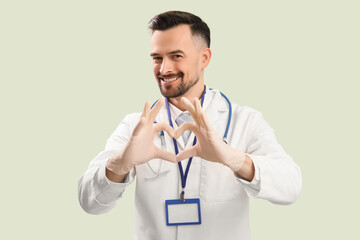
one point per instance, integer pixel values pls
(186, 212)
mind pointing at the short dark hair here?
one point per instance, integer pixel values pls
(171, 19)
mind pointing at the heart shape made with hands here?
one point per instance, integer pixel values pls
(139, 150)
(209, 145)
(141, 147)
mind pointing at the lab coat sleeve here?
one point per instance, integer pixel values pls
(97, 194)
(277, 177)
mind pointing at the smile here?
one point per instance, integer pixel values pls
(169, 79)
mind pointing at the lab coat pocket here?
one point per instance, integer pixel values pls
(218, 183)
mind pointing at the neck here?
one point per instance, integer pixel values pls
(194, 92)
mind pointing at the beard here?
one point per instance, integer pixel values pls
(170, 91)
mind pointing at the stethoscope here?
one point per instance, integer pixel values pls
(162, 137)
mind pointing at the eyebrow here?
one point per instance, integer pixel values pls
(169, 53)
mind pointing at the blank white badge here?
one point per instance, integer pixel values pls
(183, 213)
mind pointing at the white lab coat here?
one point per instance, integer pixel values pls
(224, 199)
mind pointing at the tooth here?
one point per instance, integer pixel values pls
(171, 79)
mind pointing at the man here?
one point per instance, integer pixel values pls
(221, 175)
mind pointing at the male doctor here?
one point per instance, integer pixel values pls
(206, 196)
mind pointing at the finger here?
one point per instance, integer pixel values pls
(146, 110)
(185, 126)
(140, 124)
(202, 116)
(155, 110)
(199, 111)
(165, 155)
(164, 127)
(190, 107)
(187, 153)
(205, 121)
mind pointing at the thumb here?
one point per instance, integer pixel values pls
(187, 153)
(165, 155)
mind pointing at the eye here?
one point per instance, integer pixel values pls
(177, 57)
(157, 59)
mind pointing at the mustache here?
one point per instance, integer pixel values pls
(180, 74)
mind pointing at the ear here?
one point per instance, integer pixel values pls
(205, 57)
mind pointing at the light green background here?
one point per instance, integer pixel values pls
(71, 70)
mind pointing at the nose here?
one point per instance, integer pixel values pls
(166, 67)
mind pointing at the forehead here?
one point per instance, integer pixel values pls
(176, 38)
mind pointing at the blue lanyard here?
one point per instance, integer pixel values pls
(182, 175)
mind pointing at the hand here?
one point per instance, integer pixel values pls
(209, 145)
(140, 147)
